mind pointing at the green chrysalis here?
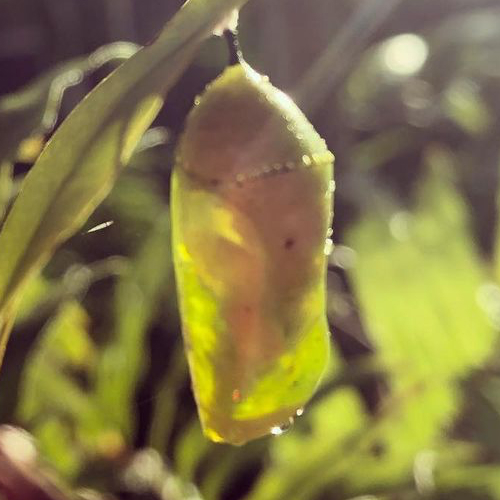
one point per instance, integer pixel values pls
(251, 209)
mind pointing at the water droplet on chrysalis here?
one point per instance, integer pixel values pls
(278, 430)
(328, 246)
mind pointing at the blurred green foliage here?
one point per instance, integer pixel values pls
(406, 95)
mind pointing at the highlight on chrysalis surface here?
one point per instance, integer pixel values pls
(251, 210)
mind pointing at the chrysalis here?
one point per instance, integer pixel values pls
(251, 209)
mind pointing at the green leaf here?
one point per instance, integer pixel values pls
(51, 403)
(418, 278)
(34, 108)
(165, 400)
(137, 300)
(467, 108)
(78, 167)
(6, 186)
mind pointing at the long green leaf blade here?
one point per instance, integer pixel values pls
(78, 167)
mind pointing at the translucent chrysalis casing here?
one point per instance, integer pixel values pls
(251, 209)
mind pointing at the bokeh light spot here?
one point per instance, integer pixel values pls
(404, 54)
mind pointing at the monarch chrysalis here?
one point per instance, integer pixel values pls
(251, 210)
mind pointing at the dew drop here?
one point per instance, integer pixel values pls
(101, 226)
(278, 430)
(299, 412)
(197, 100)
(306, 160)
(328, 247)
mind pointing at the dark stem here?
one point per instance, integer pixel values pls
(233, 44)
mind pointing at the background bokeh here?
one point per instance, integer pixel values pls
(407, 96)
